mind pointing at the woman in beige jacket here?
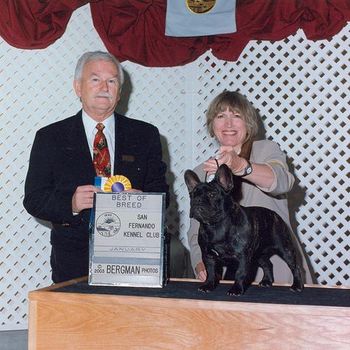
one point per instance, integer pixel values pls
(233, 121)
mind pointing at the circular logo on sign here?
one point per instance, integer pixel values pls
(200, 6)
(108, 224)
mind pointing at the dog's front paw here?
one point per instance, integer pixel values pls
(236, 290)
(265, 283)
(208, 287)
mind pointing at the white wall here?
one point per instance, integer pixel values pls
(300, 87)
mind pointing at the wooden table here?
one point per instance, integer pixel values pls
(74, 315)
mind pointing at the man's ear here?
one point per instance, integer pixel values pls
(77, 87)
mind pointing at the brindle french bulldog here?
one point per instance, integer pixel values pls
(230, 234)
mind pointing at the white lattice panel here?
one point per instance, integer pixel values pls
(302, 91)
(300, 87)
(165, 106)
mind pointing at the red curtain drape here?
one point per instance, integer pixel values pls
(35, 24)
(134, 29)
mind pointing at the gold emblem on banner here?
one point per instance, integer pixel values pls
(200, 6)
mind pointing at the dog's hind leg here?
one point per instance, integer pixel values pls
(287, 250)
(298, 284)
(267, 267)
(289, 256)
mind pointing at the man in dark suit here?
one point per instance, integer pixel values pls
(59, 185)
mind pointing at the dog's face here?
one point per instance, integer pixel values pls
(208, 200)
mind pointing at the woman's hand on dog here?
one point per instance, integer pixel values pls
(201, 272)
(226, 155)
(262, 175)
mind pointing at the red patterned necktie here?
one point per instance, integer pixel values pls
(101, 158)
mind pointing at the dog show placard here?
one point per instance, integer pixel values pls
(127, 240)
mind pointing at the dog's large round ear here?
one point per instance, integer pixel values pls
(224, 177)
(191, 180)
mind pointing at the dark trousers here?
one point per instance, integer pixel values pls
(68, 263)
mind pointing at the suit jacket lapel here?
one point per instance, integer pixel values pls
(118, 142)
(76, 145)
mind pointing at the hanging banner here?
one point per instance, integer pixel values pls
(127, 242)
(187, 18)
